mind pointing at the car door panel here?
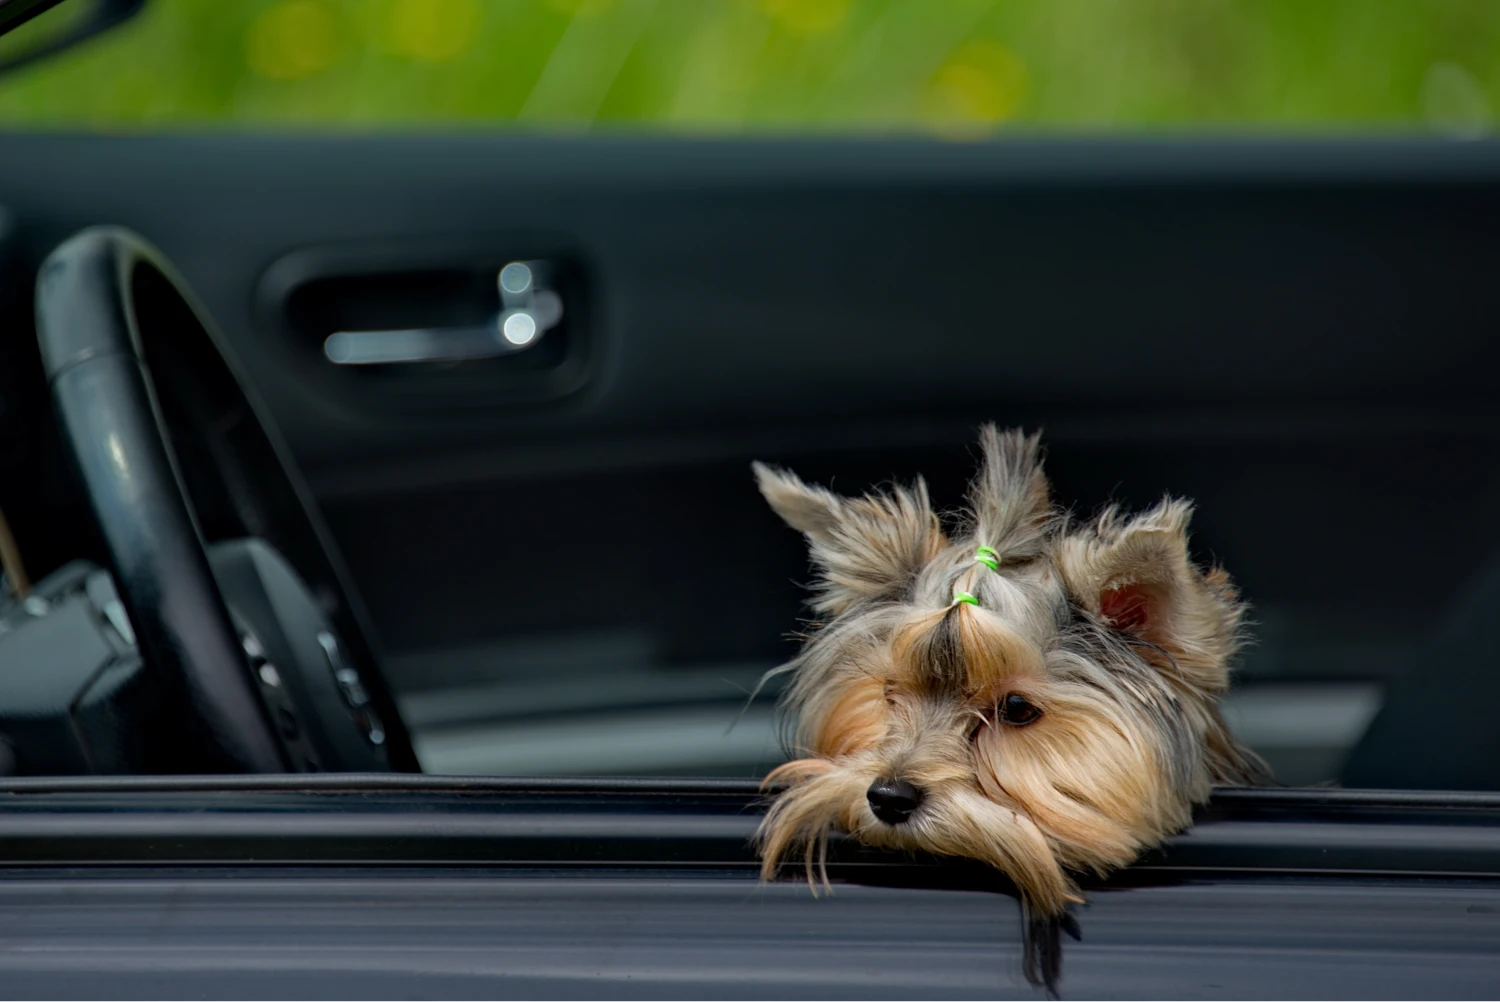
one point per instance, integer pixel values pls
(1296, 334)
(421, 886)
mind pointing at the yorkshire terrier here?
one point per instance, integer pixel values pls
(1030, 691)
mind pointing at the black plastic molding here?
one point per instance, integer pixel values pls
(432, 820)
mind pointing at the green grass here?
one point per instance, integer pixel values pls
(959, 67)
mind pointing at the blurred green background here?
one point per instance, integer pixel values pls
(954, 67)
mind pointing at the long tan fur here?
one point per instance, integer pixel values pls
(903, 682)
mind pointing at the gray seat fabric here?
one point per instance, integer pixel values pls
(1439, 728)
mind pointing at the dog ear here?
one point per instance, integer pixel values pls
(864, 548)
(1135, 575)
(1011, 498)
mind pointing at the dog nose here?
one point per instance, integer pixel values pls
(894, 800)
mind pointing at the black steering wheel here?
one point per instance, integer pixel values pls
(255, 642)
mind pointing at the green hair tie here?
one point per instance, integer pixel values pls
(986, 555)
(963, 596)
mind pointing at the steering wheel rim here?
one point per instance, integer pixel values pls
(89, 292)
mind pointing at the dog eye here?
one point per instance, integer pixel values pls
(889, 697)
(1017, 711)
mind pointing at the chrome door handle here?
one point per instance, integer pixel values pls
(528, 309)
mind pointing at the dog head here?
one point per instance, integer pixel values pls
(1034, 693)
